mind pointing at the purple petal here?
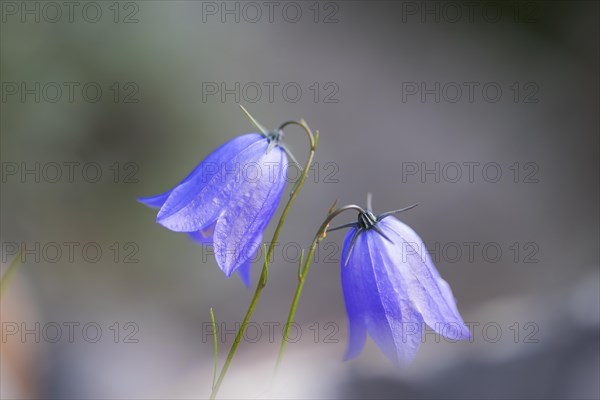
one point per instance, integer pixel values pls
(387, 312)
(199, 200)
(204, 236)
(155, 201)
(244, 272)
(355, 294)
(411, 270)
(254, 200)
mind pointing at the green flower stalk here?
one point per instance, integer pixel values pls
(303, 271)
(313, 140)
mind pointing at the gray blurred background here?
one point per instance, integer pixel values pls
(364, 74)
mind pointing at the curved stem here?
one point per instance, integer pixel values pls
(215, 345)
(313, 139)
(302, 276)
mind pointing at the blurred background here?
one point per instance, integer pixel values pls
(485, 113)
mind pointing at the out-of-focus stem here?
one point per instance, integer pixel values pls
(12, 268)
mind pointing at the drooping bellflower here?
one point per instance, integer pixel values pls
(228, 199)
(391, 288)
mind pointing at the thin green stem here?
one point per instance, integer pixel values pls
(320, 235)
(313, 139)
(12, 268)
(290, 319)
(215, 345)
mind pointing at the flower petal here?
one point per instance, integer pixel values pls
(204, 236)
(388, 314)
(411, 269)
(244, 271)
(354, 292)
(254, 200)
(199, 199)
(155, 201)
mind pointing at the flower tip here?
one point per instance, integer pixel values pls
(153, 201)
(332, 208)
(254, 121)
(465, 333)
(142, 200)
(350, 355)
(243, 272)
(164, 221)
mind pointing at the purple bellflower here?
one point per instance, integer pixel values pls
(391, 288)
(228, 200)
